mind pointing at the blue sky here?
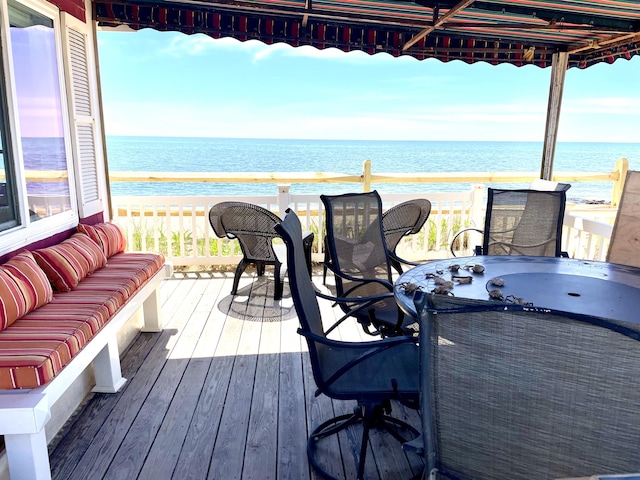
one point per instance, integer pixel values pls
(170, 84)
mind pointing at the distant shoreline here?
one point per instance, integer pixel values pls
(534, 142)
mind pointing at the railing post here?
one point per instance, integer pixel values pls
(284, 199)
(477, 204)
(622, 166)
(366, 176)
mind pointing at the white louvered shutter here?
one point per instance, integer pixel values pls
(86, 139)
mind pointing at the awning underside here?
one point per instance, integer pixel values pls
(516, 32)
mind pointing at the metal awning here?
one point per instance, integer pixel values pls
(519, 32)
(557, 33)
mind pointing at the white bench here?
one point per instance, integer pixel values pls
(24, 413)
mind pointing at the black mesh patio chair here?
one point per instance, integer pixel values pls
(372, 373)
(406, 218)
(252, 226)
(359, 259)
(517, 393)
(520, 222)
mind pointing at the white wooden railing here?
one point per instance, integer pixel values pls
(179, 226)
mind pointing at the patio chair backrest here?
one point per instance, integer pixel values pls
(517, 393)
(524, 222)
(251, 224)
(355, 237)
(624, 246)
(406, 218)
(357, 254)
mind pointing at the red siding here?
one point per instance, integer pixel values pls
(72, 7)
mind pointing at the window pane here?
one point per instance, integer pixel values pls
(33, 49)
(8, 210)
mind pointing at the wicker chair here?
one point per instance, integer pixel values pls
(516, 393)
(253, 227)
(356, 253)
(406, 218)
(372, 373)
(520, 222)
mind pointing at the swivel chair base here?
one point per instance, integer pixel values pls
(371, 417)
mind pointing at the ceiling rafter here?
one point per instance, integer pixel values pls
(471, 31)
(612, 42)
(436, 23)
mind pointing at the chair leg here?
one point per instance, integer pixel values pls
(371, 416)
(236, 279)
(277, 295)
(396, 265)
(326, 260)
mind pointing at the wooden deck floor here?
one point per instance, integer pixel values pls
(224, 392)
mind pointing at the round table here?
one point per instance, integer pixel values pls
(600, 289)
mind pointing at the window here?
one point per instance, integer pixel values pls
(40, 113)
(8, 206)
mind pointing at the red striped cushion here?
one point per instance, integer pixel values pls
(108, 235)
(70, 261)
(23, 288)
(35, 349)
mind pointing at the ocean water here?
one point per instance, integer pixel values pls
(180, 154)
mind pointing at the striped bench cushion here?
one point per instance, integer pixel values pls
(37, 346)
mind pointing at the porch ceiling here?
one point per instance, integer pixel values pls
(519, 32)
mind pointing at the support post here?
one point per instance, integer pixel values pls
(477, 207)
(622, 167)
(284, 199)
(106, 368)
(27, 456)
(152, 312)
(559, 64)
(366, 176)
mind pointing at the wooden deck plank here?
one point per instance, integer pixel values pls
(228, 454)
(105, 444)
(134, 448)
(197, 448)
(164, 453)
(261, 449)
(225, 391)
(292, 424)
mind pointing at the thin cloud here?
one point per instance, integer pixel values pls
(602, 105)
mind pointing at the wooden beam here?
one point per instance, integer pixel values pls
(436, 23)
(559, 64)
(595, 44)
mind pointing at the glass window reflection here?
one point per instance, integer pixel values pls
(33, 49)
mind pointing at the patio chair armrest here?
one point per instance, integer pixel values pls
(370, 298)
(464, 230)
(363, 303)
(394, 256)
(346, 276)
(378, 344)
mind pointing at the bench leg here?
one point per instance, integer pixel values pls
(106, 367)
(28, 456)
(152, 313)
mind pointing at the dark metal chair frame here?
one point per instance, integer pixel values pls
(406, 218)
(511, 392)
(498, 239)
(372, 373)
(351, 279)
